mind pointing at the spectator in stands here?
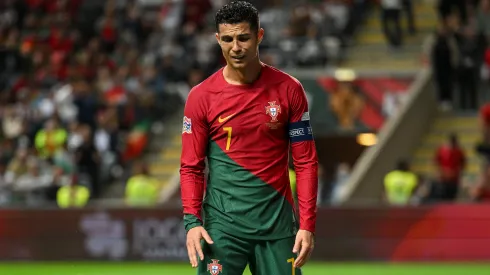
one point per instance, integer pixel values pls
(106, 142)
(50, 139)
(400, 185)
(483, 18)
(408, 9)
(300, 21)
(391, 21)
(7, 150)
(13, 123)
(441, 51)
(338, 13)
(87, 160)
(63, 168)
(347, 104)
(32, 185)
(471, 47)
(450, 161)
(17, 166)
(448, 7)
(72, 195)
(142, 190)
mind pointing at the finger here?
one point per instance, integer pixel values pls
(302, 255)
(206, 237)
(309, 253)
(191, 251)
(197, 244)
(297, 245)
(307, 256)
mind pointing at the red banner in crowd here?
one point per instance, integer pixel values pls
(438, 233)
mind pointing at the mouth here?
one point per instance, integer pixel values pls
(238, 58)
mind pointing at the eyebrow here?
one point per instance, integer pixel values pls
(240, 35)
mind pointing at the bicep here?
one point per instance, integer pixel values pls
(298, 104)
(195, 134)
(299, 119)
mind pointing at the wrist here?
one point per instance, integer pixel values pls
(309, 228)
(191, 221)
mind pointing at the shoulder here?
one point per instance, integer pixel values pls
(282, 77)
(390, 174)
(412, 175)
(132, 180)
(207, 86)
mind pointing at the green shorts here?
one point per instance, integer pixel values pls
(230, 255)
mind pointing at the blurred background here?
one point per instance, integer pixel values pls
(91, 102)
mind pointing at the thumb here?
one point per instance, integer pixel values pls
(206, 236)
(297, 244)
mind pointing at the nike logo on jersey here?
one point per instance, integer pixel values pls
(221, 120)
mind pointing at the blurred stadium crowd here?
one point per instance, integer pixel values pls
(83, 81)
(458, 52)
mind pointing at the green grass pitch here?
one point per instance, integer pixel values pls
(63, 268)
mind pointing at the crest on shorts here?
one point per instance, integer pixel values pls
(214, 267)
(187, 125)
(273, 110)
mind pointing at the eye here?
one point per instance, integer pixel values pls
(243, 38)
(226, 39)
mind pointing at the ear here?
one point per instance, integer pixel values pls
(260, 35)
(217, 38)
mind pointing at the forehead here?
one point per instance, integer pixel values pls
(234, 29)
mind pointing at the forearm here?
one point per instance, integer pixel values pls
(192, 191)
(306, 167)
(194, 144)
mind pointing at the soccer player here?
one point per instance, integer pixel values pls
(244, 119)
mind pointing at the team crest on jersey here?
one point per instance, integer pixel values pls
(273, 110)
(215, 268)
(187, 125)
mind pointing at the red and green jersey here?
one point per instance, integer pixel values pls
(246, 132)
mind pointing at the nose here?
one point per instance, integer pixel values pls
(236, 47)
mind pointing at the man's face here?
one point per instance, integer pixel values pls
(238, 43)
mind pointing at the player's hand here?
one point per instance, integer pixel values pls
(194, 237)
(304, 245)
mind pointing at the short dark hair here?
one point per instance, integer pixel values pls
(453, 139)
(238, 12)
(402, 165)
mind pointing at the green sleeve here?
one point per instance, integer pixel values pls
(191, 221)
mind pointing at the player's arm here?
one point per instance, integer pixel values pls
(304, 158)
(194, 143)
(305, 162)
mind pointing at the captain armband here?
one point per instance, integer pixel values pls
(300, 131)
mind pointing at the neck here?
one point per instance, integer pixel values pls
(246, 75)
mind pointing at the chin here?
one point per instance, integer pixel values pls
(238, 65)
